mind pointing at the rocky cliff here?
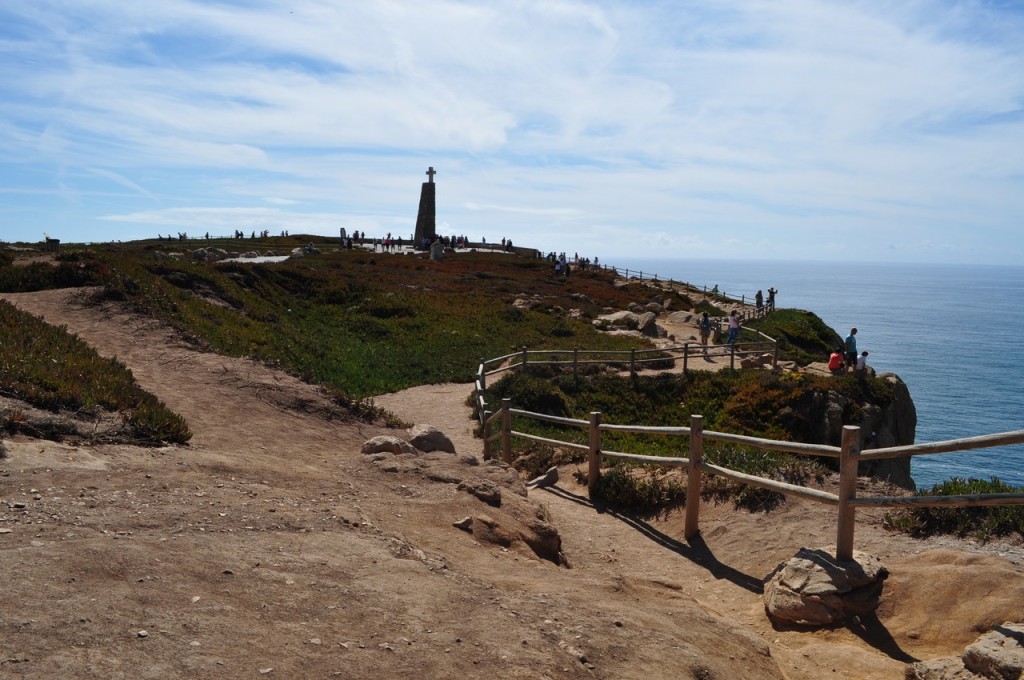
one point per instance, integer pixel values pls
(893, 423)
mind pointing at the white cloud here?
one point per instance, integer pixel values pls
(569, 122)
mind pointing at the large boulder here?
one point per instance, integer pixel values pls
(813, 588)
(621, 319)
(647, 324)
(428, 438)
(998, 654)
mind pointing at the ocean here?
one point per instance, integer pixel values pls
(949, 331)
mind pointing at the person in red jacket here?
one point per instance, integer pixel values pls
(835, 362)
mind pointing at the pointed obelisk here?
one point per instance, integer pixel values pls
(426, 219)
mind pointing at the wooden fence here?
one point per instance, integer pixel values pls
(712, 294)
(848, 453)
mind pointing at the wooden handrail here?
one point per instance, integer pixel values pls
(849, 455)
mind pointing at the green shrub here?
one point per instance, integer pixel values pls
(802, 336)
(641, 490)
(706, 306)
(981, 523)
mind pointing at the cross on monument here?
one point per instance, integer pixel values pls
(430, 174)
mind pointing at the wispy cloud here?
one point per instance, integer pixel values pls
(608, 126)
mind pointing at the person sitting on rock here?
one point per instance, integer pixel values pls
(835, 362)
(862, 365)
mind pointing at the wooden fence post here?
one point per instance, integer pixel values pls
(594, 454)
(686, 355)
(632, 363)
(775, 355)
(693, 473)
(506, 430)
(732, 356)
(525, 359)
(483, 373)
(487, 435)
(575, 360)
(848, 456)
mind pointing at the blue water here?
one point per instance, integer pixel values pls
(951, 332)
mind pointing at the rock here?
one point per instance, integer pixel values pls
(621, 319)
(466, 524)
(813, 588)
(998, 654)
(647, 323)
(468, 459)
(635, 308)
(545, 541)
(387, 444)
(895, 425)
(654, 308)
(939, 669)
(428, 438)
(549, 478)
(485, 490)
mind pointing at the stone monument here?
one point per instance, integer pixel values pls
(426, 224)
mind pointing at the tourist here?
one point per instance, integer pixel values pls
(759, 301)
(705, 330)
(734, 327)
(862, 365)
(851, 348)
(771, 299)
(835, 361)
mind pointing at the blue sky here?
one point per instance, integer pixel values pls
(750, 129)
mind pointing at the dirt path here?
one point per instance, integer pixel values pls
(270, 547)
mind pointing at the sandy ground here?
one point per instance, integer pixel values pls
(271, 547)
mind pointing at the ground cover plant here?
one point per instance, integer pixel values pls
(981, 523)
(802, 336)
(361, 323)
(48, 368)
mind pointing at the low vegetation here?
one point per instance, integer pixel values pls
(981, 523)
(48, 368)
(802, 336)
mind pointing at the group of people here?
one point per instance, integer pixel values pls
(704, 325)
(845, 358)
(564, 265)
(759, 300)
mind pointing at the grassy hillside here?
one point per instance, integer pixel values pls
(50, 369)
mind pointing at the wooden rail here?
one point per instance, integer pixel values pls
(849, 455)
(633, 359)
(712, 293)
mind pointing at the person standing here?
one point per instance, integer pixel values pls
(705, 330)
(734, 327)
(771, 299)
(759, 301)
(851, 348)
